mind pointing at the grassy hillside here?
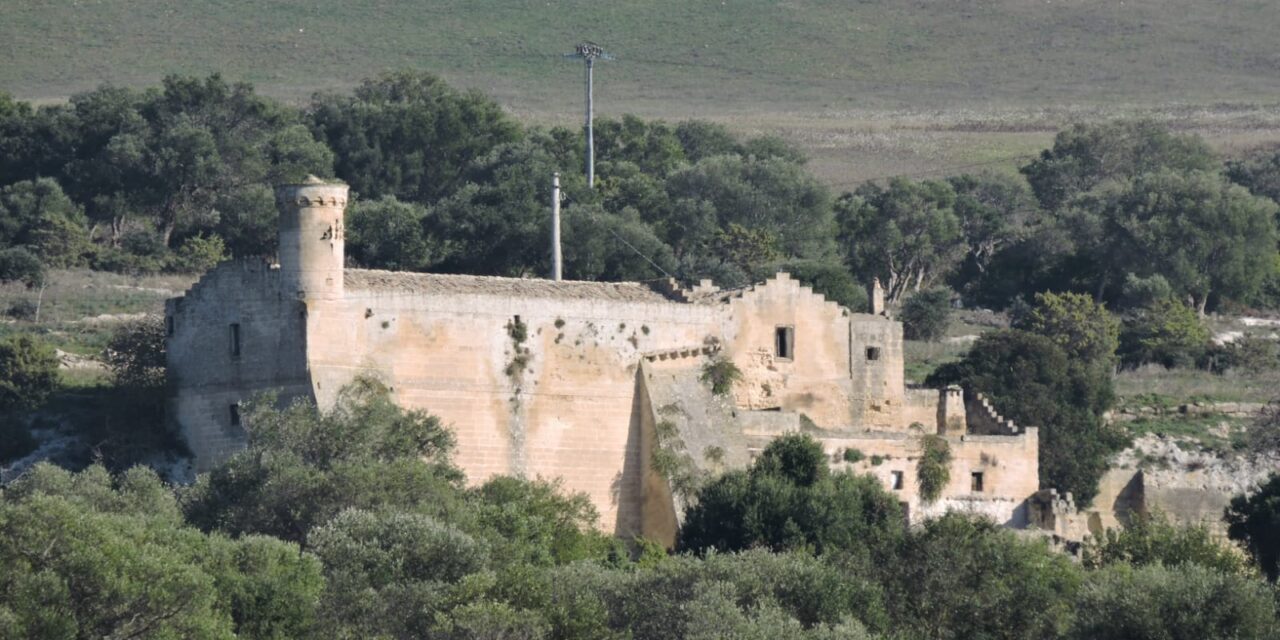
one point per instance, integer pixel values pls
(834, 75)
(753, 52)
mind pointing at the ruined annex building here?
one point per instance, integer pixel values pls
(584, 381)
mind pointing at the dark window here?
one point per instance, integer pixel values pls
(235, 415)
(168, 325)
(235, 340)
(873, 353)
(784, 343)
(897, 481)
(975, 482)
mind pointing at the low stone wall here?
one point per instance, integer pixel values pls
(1226, 409)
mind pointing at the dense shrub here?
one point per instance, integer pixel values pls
(926, 314)
(28, 372)
(303, 466)
(1168, 333)
(89, 555)
(1153, 540)
(1031, 380)
(933, 470)
(721, 374)
(1187, 602)
(198, 254)
(1081, 327)
(20, 265)
(1254, 521)
(959, 577)
(789, 499)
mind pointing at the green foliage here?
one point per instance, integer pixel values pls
(408, 135)
(599, 245)
(926, 314)
(20, 265)
(754, 594)
(852, 455)
(933, 471)
(965, 577)
(388, 234)
(88, 555)
(199, 253)
(1186, 602)
(1139, 292)
(790, 500)
(1032, 381)
(1168, 333)
(1153, 540)
(303, 466)
(797, 458)
(28, 372)
(1087, 155)
(721, 374)
(906, 234)
(1259, 173)
(1078, 325)
(995, 212)
(1203, 235)
(1251, 353)
(1254, 521)
(135, 355)
(780, 211)
(387, 573)
(38, 215)
(534, 523)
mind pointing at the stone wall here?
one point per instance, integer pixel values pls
(208, 377)
(1008, 464)
(561, 402)
(814, 379)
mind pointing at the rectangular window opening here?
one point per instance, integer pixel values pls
(873, 353)
(784, 343)
(168, 325)
(235, 415)
(897, 481)
(235, 340)
(975, 482)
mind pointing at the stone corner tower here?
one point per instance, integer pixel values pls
(311, 237)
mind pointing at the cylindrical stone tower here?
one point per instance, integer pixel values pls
(311, 233)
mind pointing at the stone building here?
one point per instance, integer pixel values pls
(584, 381)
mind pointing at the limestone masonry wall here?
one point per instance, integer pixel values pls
(588, 382)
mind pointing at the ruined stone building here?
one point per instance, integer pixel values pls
(583, 381)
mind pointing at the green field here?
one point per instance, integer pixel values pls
(869, 88)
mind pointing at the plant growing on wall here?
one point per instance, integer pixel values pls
(519, 332)
(934, 469)
(671, 460)
(721, 374)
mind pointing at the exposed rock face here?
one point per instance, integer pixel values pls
(1191, 485)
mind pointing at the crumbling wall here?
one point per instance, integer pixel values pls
(812, 376)
(1009, 466)
(208, 376)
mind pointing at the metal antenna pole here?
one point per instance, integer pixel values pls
(557, 260)
(589, 52)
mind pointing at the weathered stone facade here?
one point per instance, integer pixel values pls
(576, 380)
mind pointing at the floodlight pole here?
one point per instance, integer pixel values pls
(591, 141)
(589, 52)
